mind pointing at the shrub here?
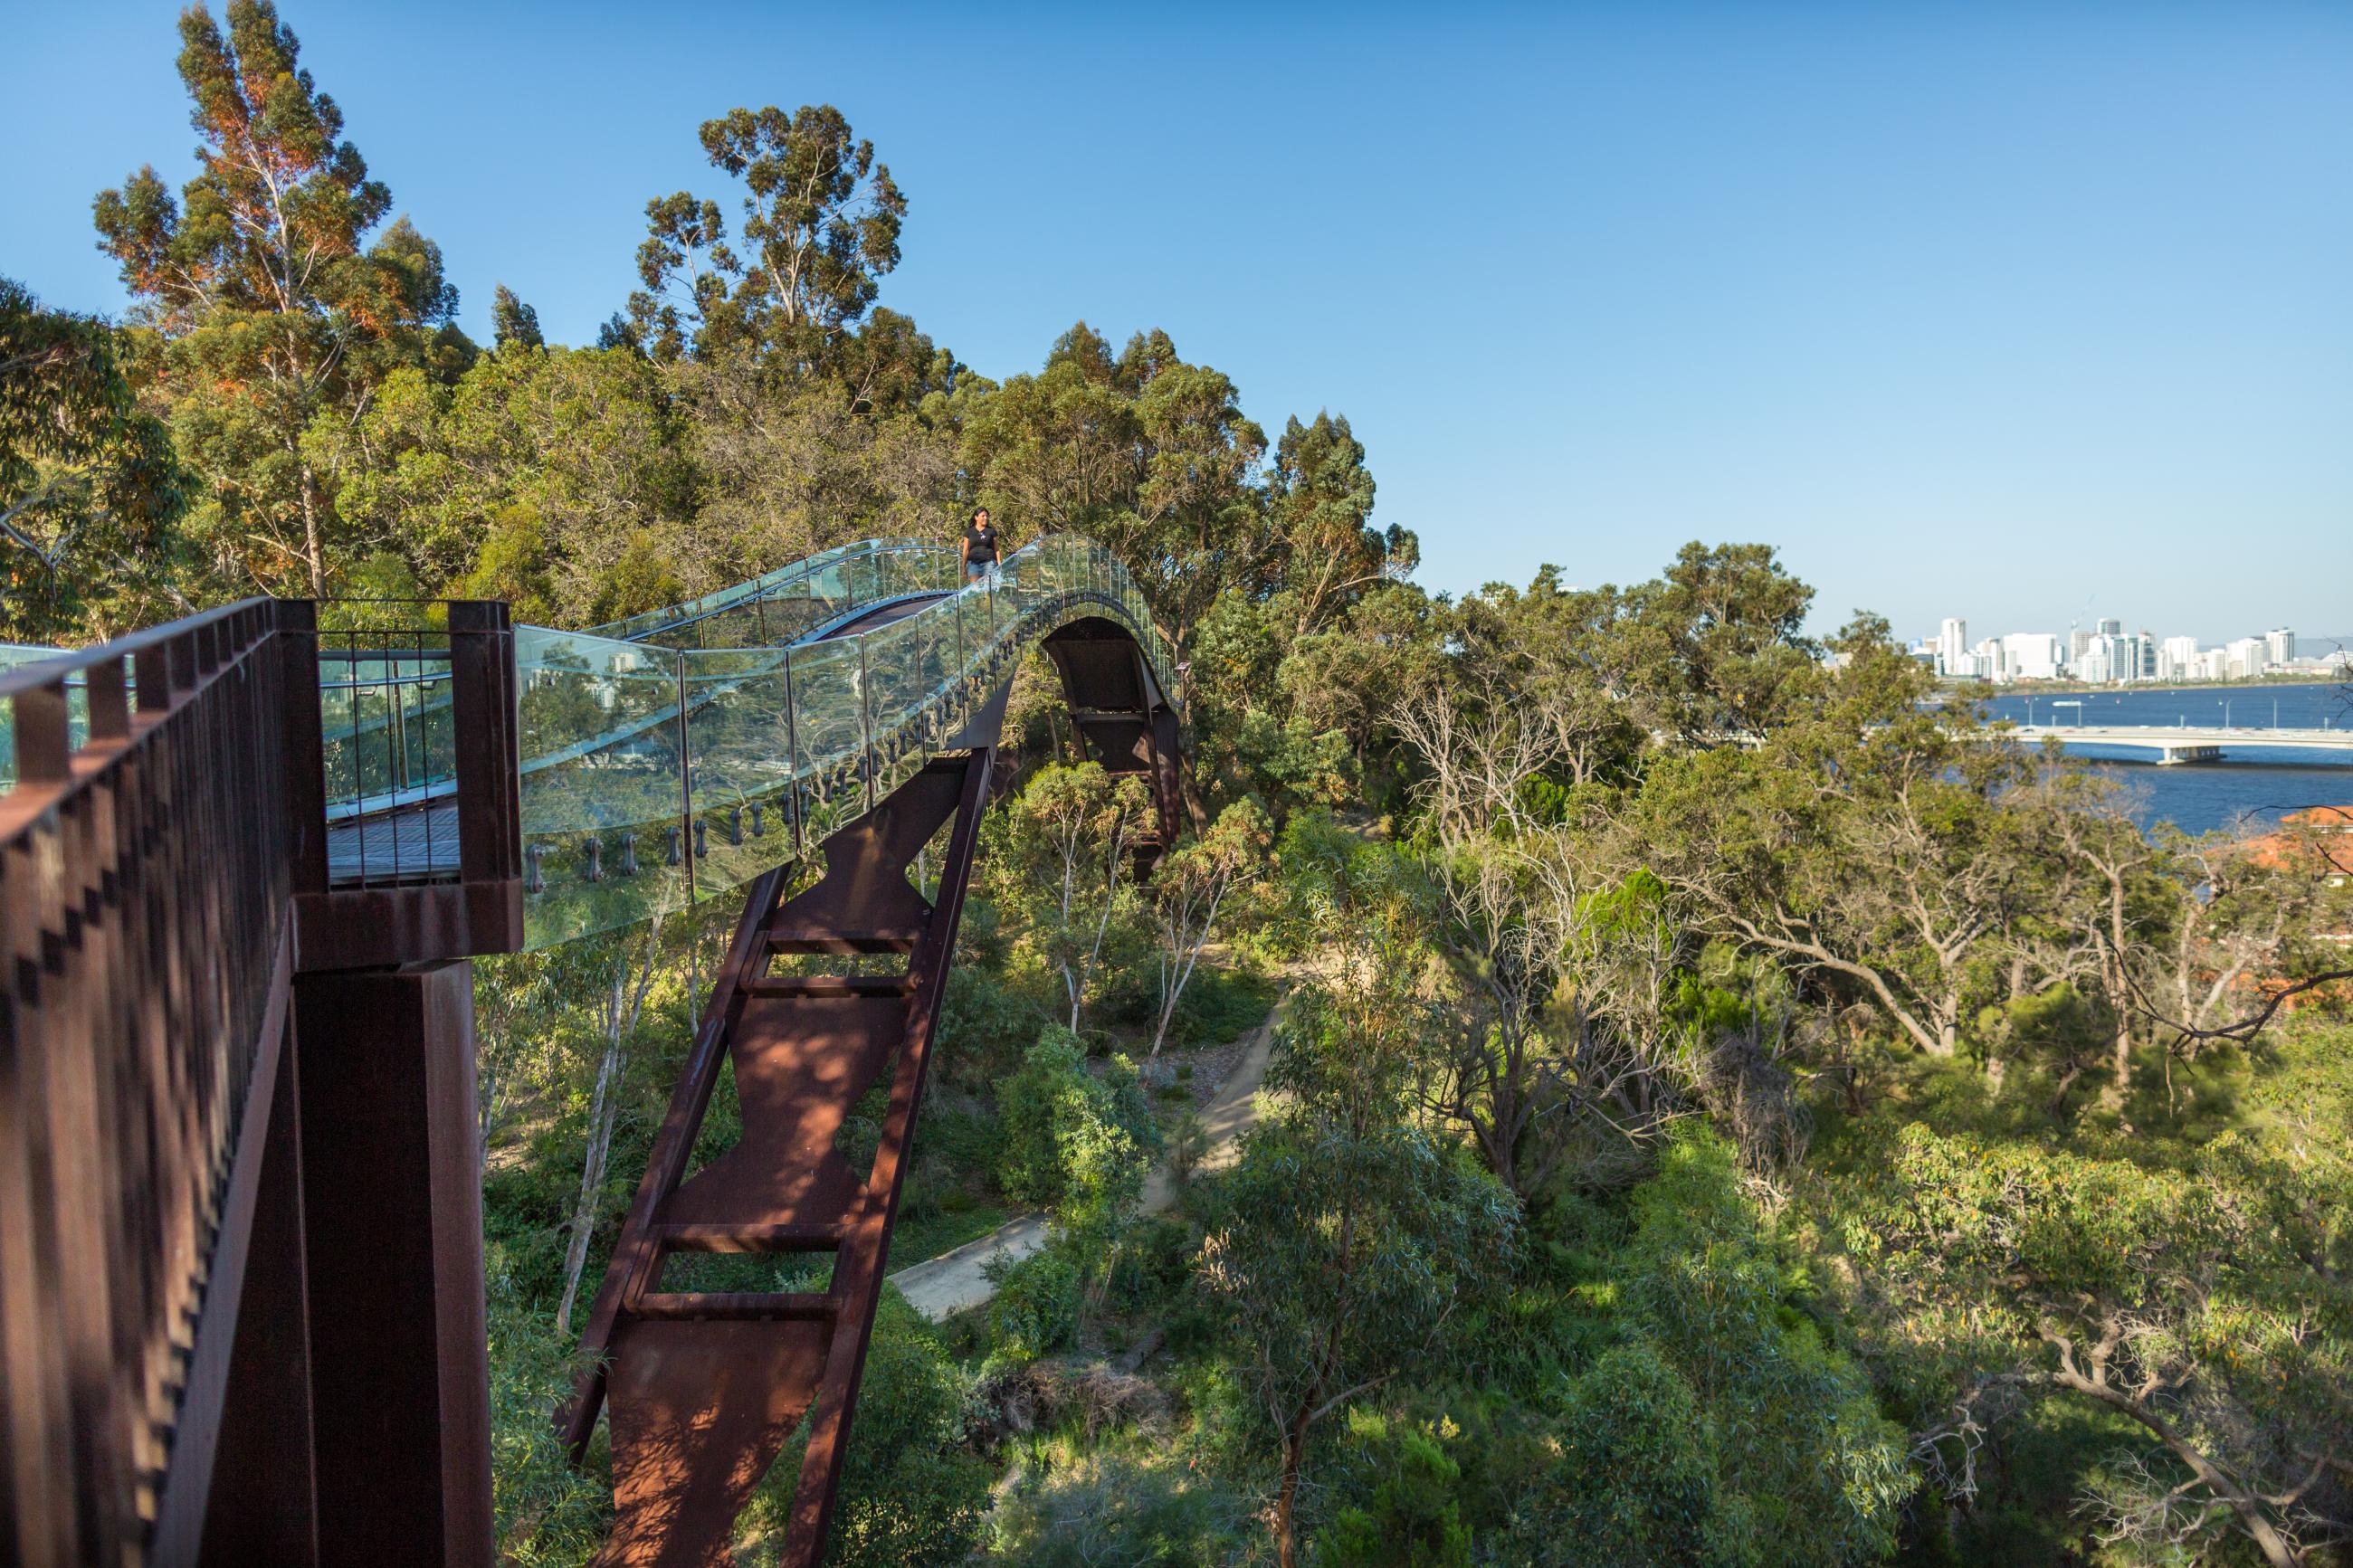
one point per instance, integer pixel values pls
(1412, 1519)
(1072, 1141)
(1105, 1509)
(1036, 1307)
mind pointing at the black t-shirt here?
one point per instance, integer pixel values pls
(980, 544)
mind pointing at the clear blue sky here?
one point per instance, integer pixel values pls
(1972, 309)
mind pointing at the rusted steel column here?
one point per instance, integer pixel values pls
(393, 1232)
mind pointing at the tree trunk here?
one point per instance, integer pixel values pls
(1294, 1453)
(2119, 988)
(2240, 1499)
(313, 549)
(604, 1110)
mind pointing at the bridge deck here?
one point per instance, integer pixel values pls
(411, 844)
(2168, 737)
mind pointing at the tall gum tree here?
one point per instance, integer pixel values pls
(819, 230)
(274, 311)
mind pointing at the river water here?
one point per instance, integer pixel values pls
(2252, 786)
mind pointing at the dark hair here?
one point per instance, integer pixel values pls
(978, 513)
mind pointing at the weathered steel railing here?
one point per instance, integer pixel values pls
(173, 926)
(145, 876)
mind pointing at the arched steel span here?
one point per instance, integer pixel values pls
(703, 1388)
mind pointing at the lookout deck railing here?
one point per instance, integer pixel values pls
(146, 871)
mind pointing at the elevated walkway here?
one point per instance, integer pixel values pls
(243, 862)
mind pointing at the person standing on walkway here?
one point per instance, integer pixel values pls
(979, 547)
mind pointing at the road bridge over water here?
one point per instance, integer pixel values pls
(2189, 743)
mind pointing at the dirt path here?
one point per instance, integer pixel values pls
(941, 1286)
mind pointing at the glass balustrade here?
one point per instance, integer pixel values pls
(719, 760)
(709, 741)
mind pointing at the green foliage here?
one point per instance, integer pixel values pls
(1640, 1476)
(1036, 1307)
(553, 476)
(1061, 875)
(90, 495)
(1336, 1255)
(1800, 1436)
(1413, 1519)
(546, 1513)
(1108, 1508)
(912, 1494)
(1076, 1141)
(512, 323)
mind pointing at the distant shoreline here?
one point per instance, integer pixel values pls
(2078, 689)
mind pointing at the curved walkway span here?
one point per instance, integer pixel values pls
(242, 858)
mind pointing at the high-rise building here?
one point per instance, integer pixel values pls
(2246, 658)
(2280, 645)
(2032, 655)
(2108, 626)
(1953, 647)
(2111, 657)
(2177, 660)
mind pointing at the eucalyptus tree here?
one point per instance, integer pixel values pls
(819, 229)
(275, 312)
(90, 491)
(513, 321)
(1862, 842)
(1144, 451)
(1336, 1257)
(1320, 502)
(1190, 888)
(1061, 865)
(2200, 1295)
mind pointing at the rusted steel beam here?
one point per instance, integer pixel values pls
(704, 1387)
(156, 1250)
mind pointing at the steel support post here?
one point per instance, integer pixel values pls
(393, 1246)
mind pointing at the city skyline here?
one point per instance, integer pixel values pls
(2108, 652)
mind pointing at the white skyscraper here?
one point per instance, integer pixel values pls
(2177, 660)
(2280, 645)
(2032, 656)
(2246, 657)
(1953, 647)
